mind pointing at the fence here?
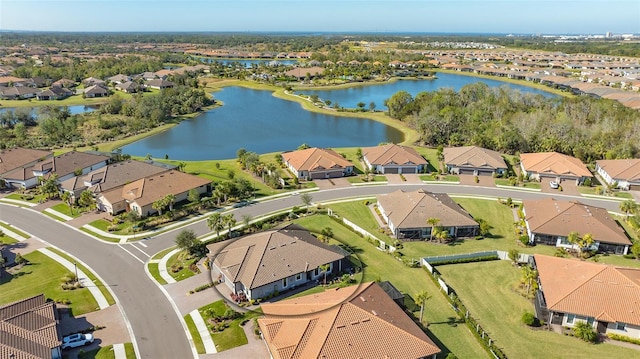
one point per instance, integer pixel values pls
(381, 244)
(481, 335)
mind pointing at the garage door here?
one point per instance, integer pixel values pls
(335, 174)
(634, 187)
(409, 170)
(465, 171)
(485, 173)
(391, 170)
(317, 175)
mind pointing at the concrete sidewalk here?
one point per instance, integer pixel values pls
(203, 331)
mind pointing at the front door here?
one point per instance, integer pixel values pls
(602, 327)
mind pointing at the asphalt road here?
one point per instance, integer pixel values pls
(157, 330)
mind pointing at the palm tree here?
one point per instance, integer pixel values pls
(325, 268)
(306, 200)
(170, 199)
(230, 221)
(66, 198)
(573, 237)
(421, 299)
(441, 234)
(433, 221)
(159, 205)
(628, 206)
(585, 242)
(214, 222)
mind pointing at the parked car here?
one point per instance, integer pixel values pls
(76, 340)
(554, 184)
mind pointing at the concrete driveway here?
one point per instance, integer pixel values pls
(330, 183)
(569, 187)
(483, 181)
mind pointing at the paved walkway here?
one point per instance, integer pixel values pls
(203, 331)
(58, 214)
(82, 277)
(162, 266)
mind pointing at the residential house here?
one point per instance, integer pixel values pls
(273, 261)
(119, 79)
(624, 174)
(392, 158)
(129, 87)
(139, 196)
(29, 329)
(353, 322)
(15, 166)
(90, 81)
(159, 84)
(572, 291)
(473, 160)
(304, 72)
(112, 176)
(54, 93)
(549, 221)
(407, 213)
(64, 83)
(96, 91)
(70, 164)
(18, 92)
(317, 163)
(553, 165)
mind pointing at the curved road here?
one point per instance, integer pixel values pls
(157, 329)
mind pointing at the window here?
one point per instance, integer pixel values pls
(284, 282)
(316, 272)
(621, 326)
(570, 318)
(590, 321)
(298, 276)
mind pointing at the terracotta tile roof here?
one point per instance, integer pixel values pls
(28, 329)
(412, 209)
(368, 324)
(150, 189)
(559, 218)
(628, 170)
(113, 175)
(554, 163)
(19, 157)
(270, 256)
(590, 289)
(314, 159)
(473, 156)
(393, 154)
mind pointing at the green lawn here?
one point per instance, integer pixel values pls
(441, 178)
(197, 340)
(163, 253)
(31, 198)
(231, 337)
(486, 289)
(359, 179)
(14, 230)
(505, 182)
(57, 218)
(592, 191)
(108, 239)
(90, 275)
(64, 209)
(154, 270)
(107, 352)
(44, 275)
(409, 281)
(358, 213)
(182, 259)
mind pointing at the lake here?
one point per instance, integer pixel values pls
(259, 122)
(246, 63)
(75, 109)
(349, 97)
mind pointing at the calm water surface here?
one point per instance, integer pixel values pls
(259, 122)
(349, 97)
(246, 63)
(75, 109)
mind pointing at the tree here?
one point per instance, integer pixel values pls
(359, 154)
(326, 234)
(585, 331)
(66, 198)
(441, 234)
(246, 220)
(187, 241)
(635, 249)
(399, 104)
(324, 269)
(229, 221)
(629, 206)
(421, 299)
(303, 146)
(159, 205)
(573, 237)
(361, 105)
(514, 255)
(433, 222)
(529, 279)
(86, 199)
(49, 186)
(485, 227)
(585, 242)
(193, 196)
(214, 222)
(372, 106)
(306, 199)
(170, 199)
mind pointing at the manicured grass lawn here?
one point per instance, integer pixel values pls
(90, 275)
(182, 259)
(35, 198)
(107, 352)
(44, 275)
(505, 182)
(197, 340)
(104, 225)
(69, 101)
(486, 289)
(154, 270)
(129, 350)
(108, 239)
(4, 239)
(14, 230)
(233, 336)
(64, 209)
(441, 178)
(431, 155)
(381, 266)
(163, 253)
(57, 218)
(358, 213)
(592, 191)
(359, 179)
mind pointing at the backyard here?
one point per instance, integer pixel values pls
(487, 289)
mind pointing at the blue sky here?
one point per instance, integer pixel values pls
(449, 16)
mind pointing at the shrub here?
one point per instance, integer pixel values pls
(529, 319)
(585, 332)
(524, 239)
(624, 338)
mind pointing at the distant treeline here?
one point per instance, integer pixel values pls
(510, 121)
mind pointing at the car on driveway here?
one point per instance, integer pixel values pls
(76, 340)
(554, 184)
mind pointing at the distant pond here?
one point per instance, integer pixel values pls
(349, 97)
(259, 122)
(246, 63)
(75, 109)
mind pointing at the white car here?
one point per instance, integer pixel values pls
(554, 184)
(76, 340)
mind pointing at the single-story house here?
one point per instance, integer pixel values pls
(18, 92)
(16, 166)
(572, 291)
(473, 160)
(353, 322)
(129, 87)
(317, 163)
(159, 84)
(90, 81)
(303, 72)
(70, 164)
(29, 329)
(626, 173)
(392, 158)
(96, 91)
(549, 221)
(64, 83)
(111, 176)
(407, 213)
(54, 93)
(119, 79)
(553, 165)
(273, 261)
(139, 196)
